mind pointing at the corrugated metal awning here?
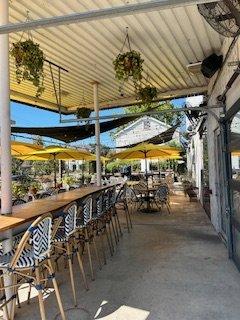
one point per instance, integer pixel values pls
(168, 40)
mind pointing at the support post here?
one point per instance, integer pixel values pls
(97, 134)
(5, 122)
(6, 159)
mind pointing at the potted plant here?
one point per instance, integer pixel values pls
(128, 65)
(82, 113)
(147, 94)
(29, 60)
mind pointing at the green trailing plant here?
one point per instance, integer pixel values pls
(29, 60)
(82, 113)
(147, 94)
(128, 65)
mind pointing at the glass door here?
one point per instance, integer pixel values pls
(234, 152)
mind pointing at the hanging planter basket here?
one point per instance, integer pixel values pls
(82, 113)
(147, 94)
(29, 60)
(128, 65)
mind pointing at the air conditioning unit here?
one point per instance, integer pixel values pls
(194, 68)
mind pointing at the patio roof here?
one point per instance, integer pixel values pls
(168, 38)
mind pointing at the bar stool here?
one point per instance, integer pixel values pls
(87, 226)
(28, 263)
(100, 227)
(65, 232)
(121, 203)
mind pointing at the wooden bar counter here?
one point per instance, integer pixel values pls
(27, 212)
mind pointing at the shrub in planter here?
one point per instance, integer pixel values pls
(128, 65)
(29, 60)
(147, 94)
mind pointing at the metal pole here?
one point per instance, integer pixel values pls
(97, 134)
(207, 109)
(94, 15)
(6, 159)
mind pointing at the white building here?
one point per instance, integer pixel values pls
(140, 130)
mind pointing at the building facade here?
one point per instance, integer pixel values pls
(223, 145)
(140, 130)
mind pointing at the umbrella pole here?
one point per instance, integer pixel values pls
(159, 170)
(55, 171)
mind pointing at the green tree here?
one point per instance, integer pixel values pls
(170, 118)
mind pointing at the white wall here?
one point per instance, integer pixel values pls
(138, 132)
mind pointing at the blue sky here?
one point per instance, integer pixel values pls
(33, 117)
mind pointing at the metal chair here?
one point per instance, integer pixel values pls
(61, 190)
(18, 202)
(44, 195)
(64, 240)
(28, 263)
(161, 197)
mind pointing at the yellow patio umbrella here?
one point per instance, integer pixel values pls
(57, 153)
(19, 148)
(148, 151)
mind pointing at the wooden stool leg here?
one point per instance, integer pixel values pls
(80, 263)
(57, 293)
(103, 247)
(5, 307)
(108, 240)
(96, 253)
(128, 214)
(114, 231)
(40, 294)
(89, 254)
(13, 303)
(110, 235)
(118, 222)
(116, 227)
(71, 274)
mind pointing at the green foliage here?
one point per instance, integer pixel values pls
(41, 168)
(68, 180)
(128, 65)
(147, 94)
(116, 165)
(82, 113)
(16, 166)
(168, 117)
(29, 60)
(19, 189)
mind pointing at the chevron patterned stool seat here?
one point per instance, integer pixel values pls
(28, 263)
(65, 232)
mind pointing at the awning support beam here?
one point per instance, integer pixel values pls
(147, 113)
(97, 134)
(95, 15)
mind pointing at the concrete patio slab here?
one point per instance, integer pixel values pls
(170, 267)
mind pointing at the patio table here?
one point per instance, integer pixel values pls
(27, 212)
(146, 196)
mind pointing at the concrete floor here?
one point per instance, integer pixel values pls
(169, 268)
